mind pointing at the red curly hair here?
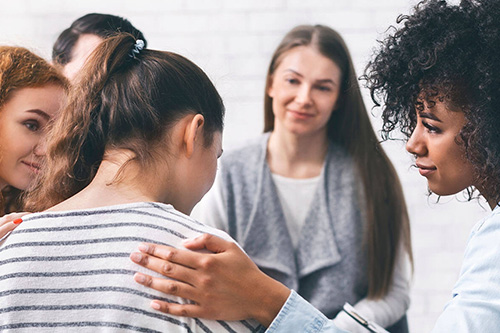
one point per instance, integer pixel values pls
(21, 68)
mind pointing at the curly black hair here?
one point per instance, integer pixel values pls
(451, 53)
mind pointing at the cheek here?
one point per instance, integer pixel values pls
(23, 144)
(331, 103)
(283, 94)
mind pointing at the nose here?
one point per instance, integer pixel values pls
(416, 143)
(303, 96)
(40, 148)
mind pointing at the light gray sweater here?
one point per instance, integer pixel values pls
(328, 267)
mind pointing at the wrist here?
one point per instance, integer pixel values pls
(272, 297)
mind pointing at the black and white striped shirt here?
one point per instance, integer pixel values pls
(70, 271)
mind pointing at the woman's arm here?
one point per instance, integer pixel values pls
(225, 284)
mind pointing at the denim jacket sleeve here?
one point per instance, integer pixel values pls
(298, 315)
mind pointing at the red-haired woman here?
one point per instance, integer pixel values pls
(31, 94)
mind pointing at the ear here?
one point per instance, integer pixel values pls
(193, 131)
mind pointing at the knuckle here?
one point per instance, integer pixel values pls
(172, 288)
(144, 260)
(170, 255)
(148, 281)
(183, 313)
(167, 268)
(207, 263)
(151, 249)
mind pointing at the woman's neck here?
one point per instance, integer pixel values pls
(296, 156)
(118, 180)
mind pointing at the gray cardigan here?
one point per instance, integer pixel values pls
(328, 268)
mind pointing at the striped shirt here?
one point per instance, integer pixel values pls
(70, 271)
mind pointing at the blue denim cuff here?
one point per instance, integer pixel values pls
(297, 315)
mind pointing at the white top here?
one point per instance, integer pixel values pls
(70, 271)
(294, 195)
(385, 311)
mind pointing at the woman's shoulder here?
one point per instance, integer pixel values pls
(488, 225)
(482, 247)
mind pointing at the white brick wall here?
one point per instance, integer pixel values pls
(232, 40)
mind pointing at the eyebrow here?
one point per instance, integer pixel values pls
(320, 81)
(429, 115)
(40, 113)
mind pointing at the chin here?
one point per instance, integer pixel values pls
(20, 185)
(446, 191)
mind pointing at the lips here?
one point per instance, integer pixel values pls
(35, 167)
(300, 115)
(425, 170)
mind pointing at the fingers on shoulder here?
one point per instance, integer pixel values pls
(183, 310)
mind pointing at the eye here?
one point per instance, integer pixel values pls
(292, 81)
(430, 128)
(32, 125)
(324, 88)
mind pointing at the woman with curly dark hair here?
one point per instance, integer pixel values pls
(437, 78)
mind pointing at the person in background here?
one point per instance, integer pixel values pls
(31, 94)
(135, 114)
(76, 43)
(70, 51)
(437, 78)
(314, 201)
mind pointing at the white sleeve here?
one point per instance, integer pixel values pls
(390, 308)
(211, 209)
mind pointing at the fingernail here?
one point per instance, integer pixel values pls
(143, 248)
(136, 257)
(155, 305)
(187, 241)
(139, 278)
(17, 221)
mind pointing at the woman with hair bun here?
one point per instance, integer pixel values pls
(134, 114)
(31, 94)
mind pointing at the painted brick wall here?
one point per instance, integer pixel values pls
(232, 40)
